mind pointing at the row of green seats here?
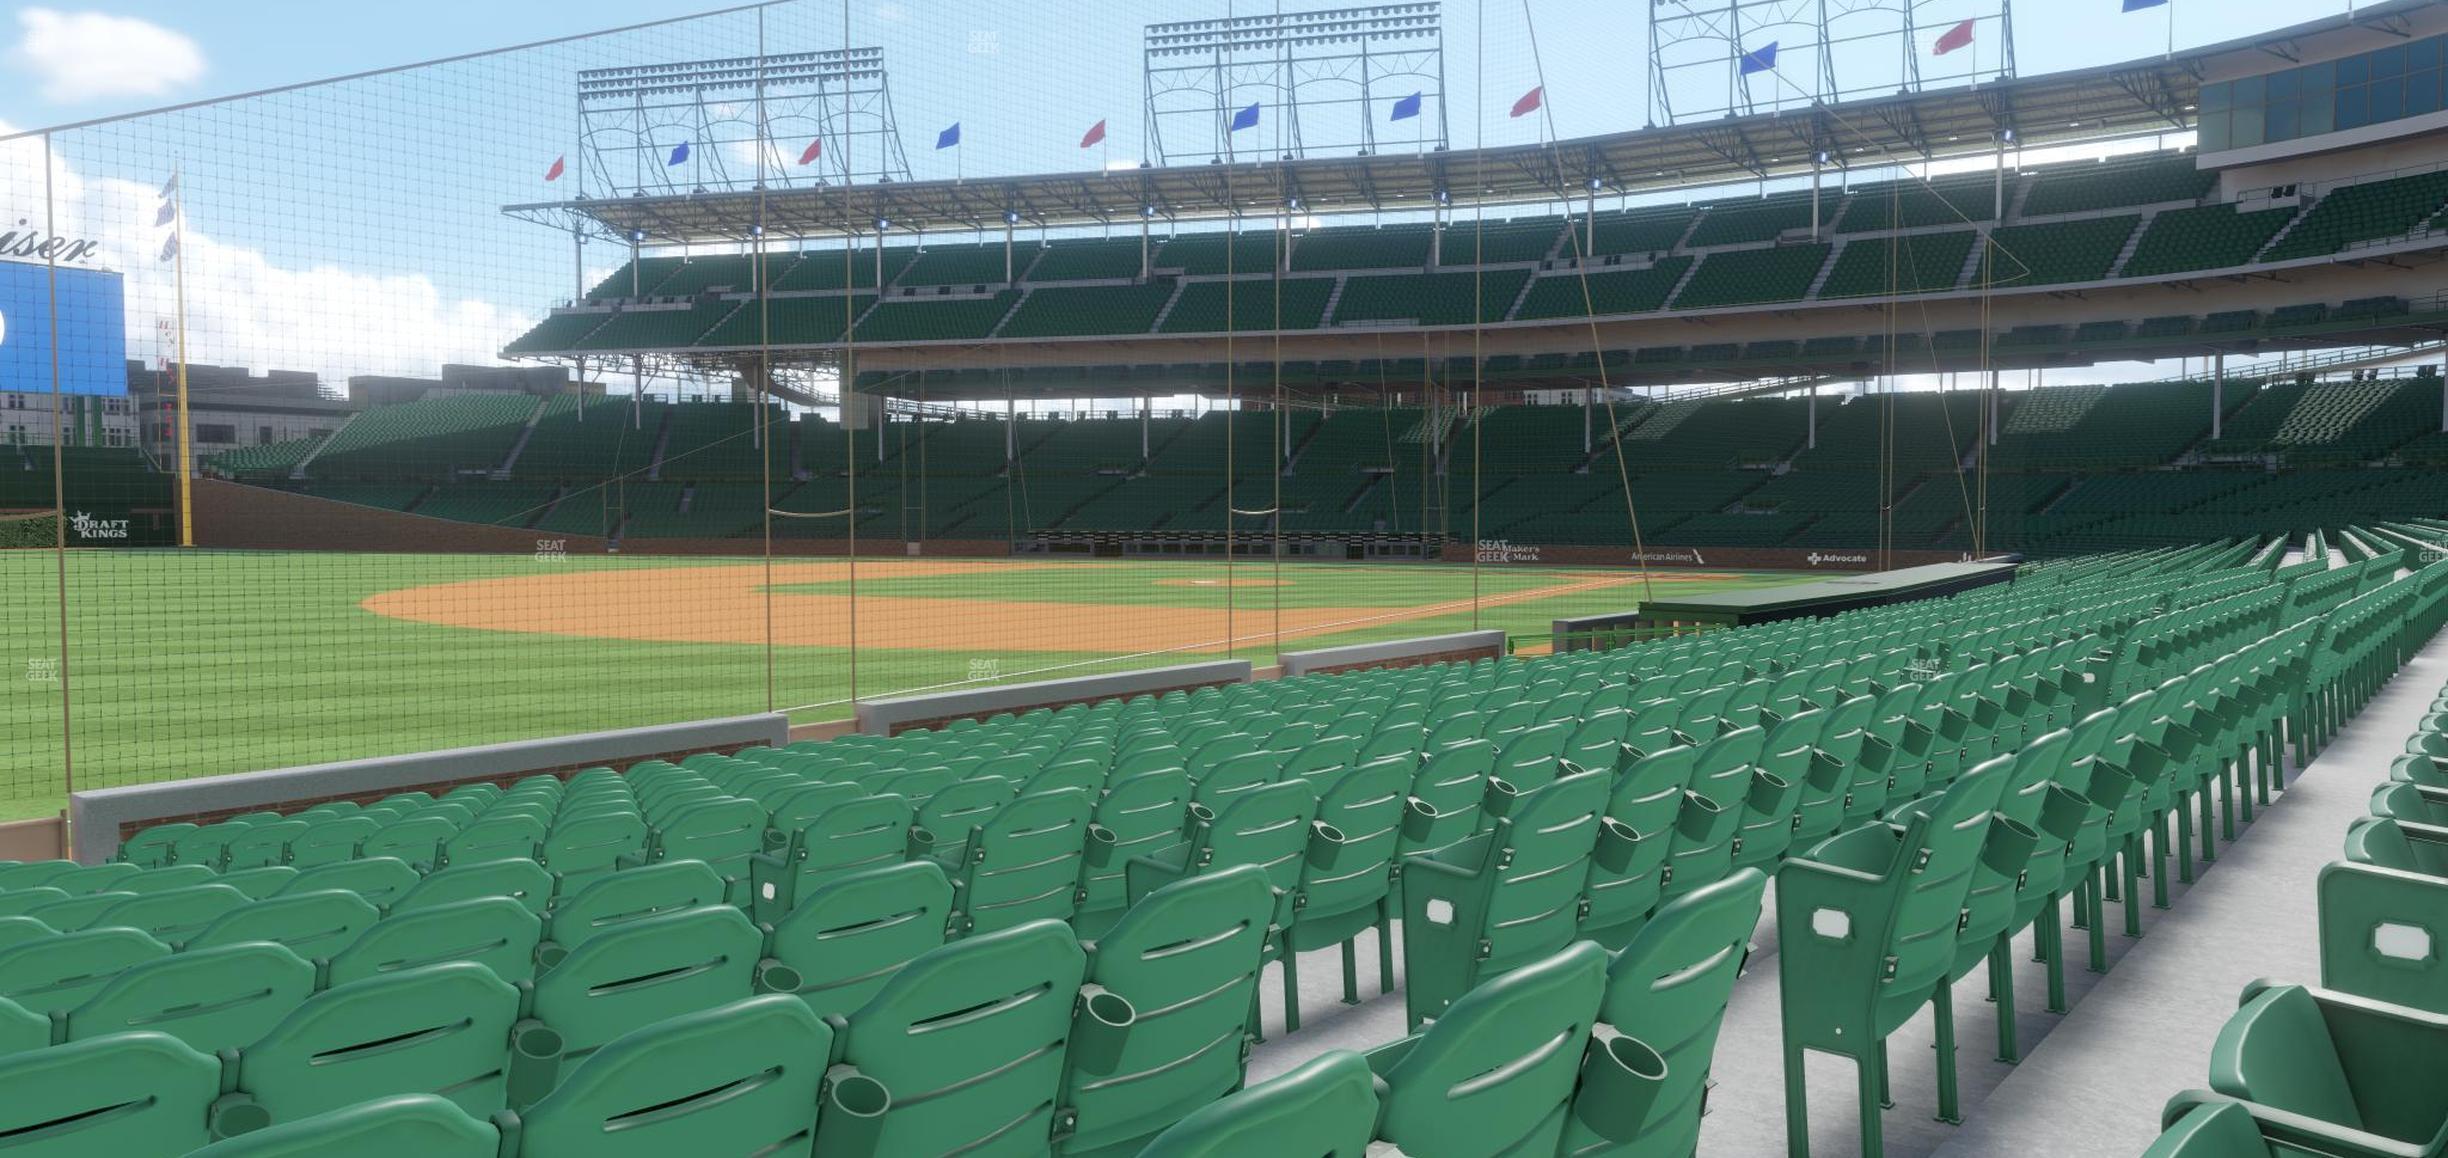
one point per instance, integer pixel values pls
(2342, 1068)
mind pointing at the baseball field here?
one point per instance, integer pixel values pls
(197, 663)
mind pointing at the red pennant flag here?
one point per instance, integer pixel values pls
(814, 150)
(1955, 38)
(554, 173)
(1530, 101)
(1096, 133)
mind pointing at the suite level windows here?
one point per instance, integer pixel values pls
(2376, 87)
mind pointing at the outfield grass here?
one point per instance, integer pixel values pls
(197, 663)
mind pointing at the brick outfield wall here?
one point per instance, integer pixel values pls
(239, 516)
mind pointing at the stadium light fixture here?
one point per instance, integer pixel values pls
(883, 223)
(1011, 217)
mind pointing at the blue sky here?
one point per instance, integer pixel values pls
(356, 228)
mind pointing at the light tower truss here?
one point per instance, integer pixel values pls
(731, 125)
(1712, 59)
(1326, 84)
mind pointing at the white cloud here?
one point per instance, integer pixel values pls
(253, 308)
(82, 56)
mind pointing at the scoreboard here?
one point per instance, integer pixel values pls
(91, 318)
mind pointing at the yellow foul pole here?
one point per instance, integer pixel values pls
(186, 424)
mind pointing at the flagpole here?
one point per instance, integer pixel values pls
(186, 424)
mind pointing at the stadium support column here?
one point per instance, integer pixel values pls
(1810, 419)
(1585, 419)
(1145, 404)
(2218, 396)
(1815, 196)
(1007, 250)
(1144, 267)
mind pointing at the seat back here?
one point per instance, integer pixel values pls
(1495, 1072)
(1023, 863)
(507, 836)
(62, 972)
(1647, 798)
(331, 840)
(584, 846)
(131, 1095)
(1360, 816)
(1188, 955)
(857, 834)
(1533, 907)
(441, 1029)
(1940, 852)
(1324, 1108)
(416, 840)
(403, 1126)
(172, 915)
(498, 933)
(1668, 989)
(619, 898)
(212, 998)
(739, 1079)
(2226, 1130)
(645, 970)
(519, 879)
(2277, 1050)
(843, 939)
(1144, 812)
(380, 879)
(312, 925)
(950, 814)
(723, 832)
(963, 1045)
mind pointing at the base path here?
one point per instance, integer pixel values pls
(732, 605)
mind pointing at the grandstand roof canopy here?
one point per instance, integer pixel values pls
(2137, 98)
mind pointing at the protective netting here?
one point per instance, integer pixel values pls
(819, 351)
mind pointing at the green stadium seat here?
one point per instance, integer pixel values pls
(1666, 992)
(1866, 925)
(520, 879)
(1187, 956)
(381, 880)
(1495, 901)
(405, 1126)
(2330, 1073)
(1024, 862)
(629, 976)
(133, 1095)
(1144, 811)
(2215, 1130)
(211, 999)
(1347, 877)
(1326, 1106)
(22, 1029)
(914, 1079)
(1496, 1073)
(496, 932)
(744, 1078)
(842, 839)
(845, 938)
(441, 1029)
(314, 925)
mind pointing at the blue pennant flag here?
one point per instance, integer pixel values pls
(2138, 5)
(1406, 108)
(949, 137)
(1764, 59)
(679, 154)
(1246, 118)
